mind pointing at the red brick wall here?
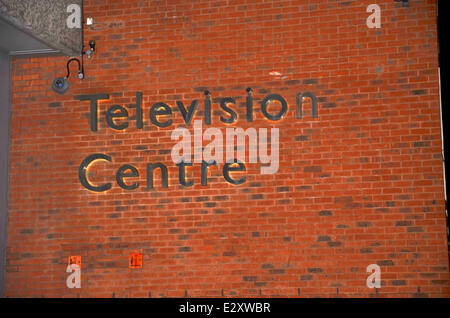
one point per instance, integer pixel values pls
(361, 184)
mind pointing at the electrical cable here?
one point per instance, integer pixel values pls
(68, 69)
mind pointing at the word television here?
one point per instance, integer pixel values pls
(160, 114)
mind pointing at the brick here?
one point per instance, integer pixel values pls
(415, 229)
(315, 270)
(385, 263)
(313, 169)
(306, 277)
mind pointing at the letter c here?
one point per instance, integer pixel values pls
(83, 168)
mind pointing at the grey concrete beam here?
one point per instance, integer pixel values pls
(46, 21)
(4, 161)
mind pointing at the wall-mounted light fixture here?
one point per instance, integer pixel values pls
(60, 85)
(91, 49)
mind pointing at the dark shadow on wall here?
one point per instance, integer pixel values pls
(444, 65)
(4, 163)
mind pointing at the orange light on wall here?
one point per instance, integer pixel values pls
(135, 260)
(75, 260)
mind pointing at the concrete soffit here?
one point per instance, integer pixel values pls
(41, 27)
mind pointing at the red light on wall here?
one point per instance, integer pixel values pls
(75, 260)
(135, 260)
